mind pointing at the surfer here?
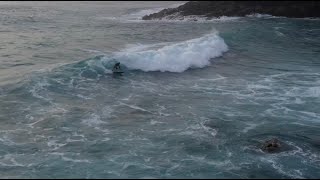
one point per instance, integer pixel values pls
(116, 67)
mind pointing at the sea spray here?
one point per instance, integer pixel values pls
(178, 57)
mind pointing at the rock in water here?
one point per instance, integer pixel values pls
(271, 146)
(215, 9)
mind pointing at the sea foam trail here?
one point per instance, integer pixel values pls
(178, 57)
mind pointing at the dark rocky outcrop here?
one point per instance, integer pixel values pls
(214, 9)
(272, 146)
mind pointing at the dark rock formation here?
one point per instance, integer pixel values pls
(214, 9)
(271, 146)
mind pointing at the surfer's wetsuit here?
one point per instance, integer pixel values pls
(116, 66)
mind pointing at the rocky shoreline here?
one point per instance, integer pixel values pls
(217, 9)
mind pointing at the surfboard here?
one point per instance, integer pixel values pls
(117, 72)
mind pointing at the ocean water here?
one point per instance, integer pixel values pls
(196, 100)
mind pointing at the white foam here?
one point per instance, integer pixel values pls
(257, 15)
(226, 164)
(279, 33)
(162, 108)
(32, 124)
(95, 65)
(53, 144)
(137, 15)
(250, 127)
(82, 97)
(93, 120)
(106, 111)
(75, 160)
(304, 92)
(135, 107)
(211, 131)
(177, 17)
(226, 18)
(38, 87)
(258, 86)
(8, 160)
(70, 159)
(6, 140)
(298, 101)
(106, 139)
(74, 140)
(213, 79)
(173, 18)
(93, 51)
(313, 92)
(153, 122)
(279, 168)
(194, 53)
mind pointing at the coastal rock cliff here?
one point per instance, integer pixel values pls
(216, 9)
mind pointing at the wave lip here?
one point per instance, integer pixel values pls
(194, 53)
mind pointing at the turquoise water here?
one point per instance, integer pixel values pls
(196, 100)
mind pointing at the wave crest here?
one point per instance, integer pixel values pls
(178, 57)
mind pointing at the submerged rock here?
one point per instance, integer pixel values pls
(272, 146)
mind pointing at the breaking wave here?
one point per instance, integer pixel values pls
(178, 57)
(163, 57)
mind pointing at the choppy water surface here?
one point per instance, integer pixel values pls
(196, 100)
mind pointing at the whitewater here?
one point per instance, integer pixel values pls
(196, 99)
